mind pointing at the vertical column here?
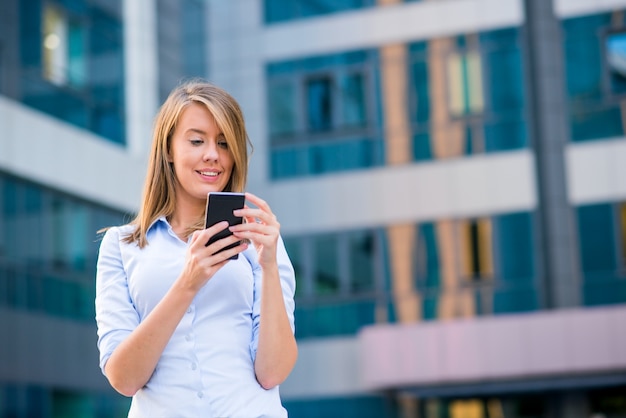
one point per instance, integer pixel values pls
(398, 150)
(549, 135)
(140, 69)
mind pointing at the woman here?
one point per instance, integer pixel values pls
(181, 328)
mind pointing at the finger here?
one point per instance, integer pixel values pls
(260, 203)
(221, 243)
(222, 257)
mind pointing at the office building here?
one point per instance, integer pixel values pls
(448, 175)
(80, 82)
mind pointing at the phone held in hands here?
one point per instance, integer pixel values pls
(220, 207)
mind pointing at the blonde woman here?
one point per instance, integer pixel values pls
(181, 328)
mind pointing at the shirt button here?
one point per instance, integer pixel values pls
(200, 394)
(188, 337)
(189, 309)
(194, 366)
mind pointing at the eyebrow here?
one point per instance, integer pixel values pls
(198, 131)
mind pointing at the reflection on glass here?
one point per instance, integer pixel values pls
(282, 109)
(319, 101)
(55, 42)
(362, 253)
(616, 59)
(326, 264)
(353, 100)
(476, 248)
(293, 247)
(465, 89)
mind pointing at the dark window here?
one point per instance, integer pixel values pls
(323, 114)
(594, 51)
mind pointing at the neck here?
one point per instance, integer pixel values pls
(185, 217)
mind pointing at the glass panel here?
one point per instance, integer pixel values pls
(590, 123)
(334, 319)
(507, 133)
(279, 10)
(319, 104)
(345, 155)
(362, 260)
(353, 100)
(616, 59)
(597, 245)
(515, 246)
(194, 35)
(422, 99)
(583, 56)
(282, 109)
(55, 44)
(326, 264)
(294, 250)
(426, 265)
(77, 62)
(476, 248)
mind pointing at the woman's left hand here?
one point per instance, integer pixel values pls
(261, 228)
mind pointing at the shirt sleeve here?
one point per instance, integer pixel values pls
(288, 285)
(116, 316)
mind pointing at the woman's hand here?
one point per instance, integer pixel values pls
(203, 261)
(261, 228)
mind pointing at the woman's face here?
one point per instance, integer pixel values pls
(200, 155)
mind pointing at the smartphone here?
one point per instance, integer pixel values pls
(220, 207)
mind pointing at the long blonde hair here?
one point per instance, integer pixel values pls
(159, 193)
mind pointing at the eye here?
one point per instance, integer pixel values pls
(221, 142)
(196, 141)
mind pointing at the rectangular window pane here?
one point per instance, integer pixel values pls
(362, 250)
(616, 60)
(353, 100)
(77, 62)
(55, 43)
(326, 264)
(282, 109)
(476, 248)
(319, 101)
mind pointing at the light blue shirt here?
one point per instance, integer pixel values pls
(207, 368)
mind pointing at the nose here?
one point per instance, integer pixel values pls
(210, 152)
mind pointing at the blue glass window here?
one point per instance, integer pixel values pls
(599, 229)
(319, 104)
(483, 95)
(595, 78)
(53, 273)
(285, 10)
(516, 290)
(323, 114)
(72, 60)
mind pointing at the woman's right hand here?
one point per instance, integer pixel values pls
(202, 261)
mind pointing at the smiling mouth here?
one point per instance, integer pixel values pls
(209, 173)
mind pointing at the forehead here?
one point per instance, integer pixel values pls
(197, 117)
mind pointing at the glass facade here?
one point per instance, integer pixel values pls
(458, 268)
(72, 63)
(467, 94)
(28, 401)
(48, 250)
(610, 402)
(324, 114)
(595, 51)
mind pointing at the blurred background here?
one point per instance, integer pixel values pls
(450, 176)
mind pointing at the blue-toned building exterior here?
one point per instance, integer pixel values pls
(448, 175)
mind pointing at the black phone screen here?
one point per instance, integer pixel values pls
(220, 207)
